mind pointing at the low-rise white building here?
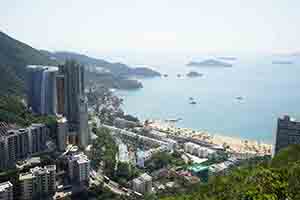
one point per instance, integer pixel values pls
(200, 151)
(6, 191)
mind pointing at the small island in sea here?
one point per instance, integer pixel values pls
(282, 62)
(209, 63)
(227, 58)
(194, 74)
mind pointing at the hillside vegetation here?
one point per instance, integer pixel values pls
(278, 179)
(14, 56)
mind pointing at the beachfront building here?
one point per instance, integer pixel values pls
(142, 184)
(288, 132)
(38, 183)
(6, 191)
(200, 151)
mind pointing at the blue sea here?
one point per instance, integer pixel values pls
(268, 90)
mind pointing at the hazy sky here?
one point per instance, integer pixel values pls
(154, 25)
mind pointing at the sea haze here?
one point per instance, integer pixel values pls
(268, 91)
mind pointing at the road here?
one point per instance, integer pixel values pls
(113, 186)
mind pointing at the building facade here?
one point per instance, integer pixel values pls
(288, 132)
(79, 168)
(37, 138)
(6, 191)
(62, 132)
(41, 89)
(17, 144)
(38, 182)
(75, 102)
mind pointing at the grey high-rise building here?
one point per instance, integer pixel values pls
(41, 89)
(62, 131)
(288, 132)
(37, 138)
(75, 102)
(74, 89)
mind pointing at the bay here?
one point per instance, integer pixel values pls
(268, 91)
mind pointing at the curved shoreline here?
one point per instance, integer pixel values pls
(234, 144)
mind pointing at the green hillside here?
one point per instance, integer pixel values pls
(278, 179)
(14, 56)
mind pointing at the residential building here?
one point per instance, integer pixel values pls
(6, 191)
(62, 131)
(142, 184)
(38, 182)
(288, 132)
(60, 86)
(79, 168)
(200, 151)
(17, 144)
(75, 103)
(37, 138)
(41, 88)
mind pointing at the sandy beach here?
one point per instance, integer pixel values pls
(232, 144)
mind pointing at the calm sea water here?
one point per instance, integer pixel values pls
(268, 91)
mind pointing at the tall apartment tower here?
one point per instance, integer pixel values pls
(75, 103)
(37, 138)
(288, 132)
(6, 191)
(41, 89)
(39, 181)
(78, 168)
(62, 131)
(60, 86)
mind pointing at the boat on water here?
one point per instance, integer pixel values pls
(173, 120)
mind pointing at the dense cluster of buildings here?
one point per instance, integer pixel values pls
(17, 144)
(60, 90)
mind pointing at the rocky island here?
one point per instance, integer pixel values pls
(194, 74)
(209, 63)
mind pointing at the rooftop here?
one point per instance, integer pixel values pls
(5, 185)
(198, 168)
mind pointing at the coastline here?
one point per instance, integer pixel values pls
(233, 144)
